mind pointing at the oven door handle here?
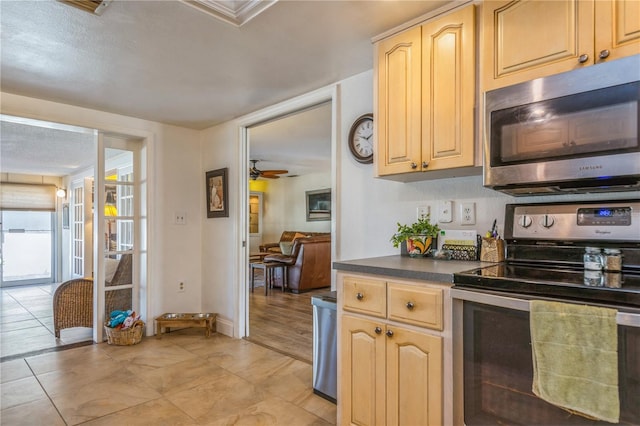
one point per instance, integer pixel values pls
(622, 318)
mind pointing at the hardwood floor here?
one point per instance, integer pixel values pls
(283, 321)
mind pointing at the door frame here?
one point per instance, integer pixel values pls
(327, 94)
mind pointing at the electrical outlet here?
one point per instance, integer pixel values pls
(445, 212)
(181, 287)
(180, 218)
(467, 213)
(423, 212)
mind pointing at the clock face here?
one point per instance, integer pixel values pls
(361, 139)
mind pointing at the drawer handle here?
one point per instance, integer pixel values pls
(378, 330)
(389, 333)
(359, 296)
(410, 305)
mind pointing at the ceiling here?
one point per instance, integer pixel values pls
(168, 62)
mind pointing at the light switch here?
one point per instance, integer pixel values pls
(445, 212)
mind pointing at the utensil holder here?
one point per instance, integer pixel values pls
(492, 250)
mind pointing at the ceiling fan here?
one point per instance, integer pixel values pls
(255, 173)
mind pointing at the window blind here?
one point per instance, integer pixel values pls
(24, 196)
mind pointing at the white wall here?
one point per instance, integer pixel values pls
(285, 207)
(176, 184)
(221, 236)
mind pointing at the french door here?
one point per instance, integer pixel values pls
(118, 234)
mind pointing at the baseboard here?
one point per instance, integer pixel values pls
(224, 326)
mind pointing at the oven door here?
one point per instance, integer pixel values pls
(494, 368)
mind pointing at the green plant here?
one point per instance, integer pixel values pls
(421, 227)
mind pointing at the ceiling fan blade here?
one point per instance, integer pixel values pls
(270, 176)
(275, 172)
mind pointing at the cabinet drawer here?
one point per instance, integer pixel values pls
(420, 306)
(365, 296)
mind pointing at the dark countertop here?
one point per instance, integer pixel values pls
(397, 266)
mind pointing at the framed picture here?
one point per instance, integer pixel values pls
(217, 193)
(65, 216)
(318, 205)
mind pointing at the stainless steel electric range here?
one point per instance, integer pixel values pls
(545, 249)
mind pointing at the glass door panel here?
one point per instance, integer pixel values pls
(27, 242)
(118, 214)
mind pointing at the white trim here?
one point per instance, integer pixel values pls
(326, 94)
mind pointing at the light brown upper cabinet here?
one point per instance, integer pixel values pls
(425, 84)
(528, 39)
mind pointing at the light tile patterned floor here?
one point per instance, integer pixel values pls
(26, 321)
(181, 379)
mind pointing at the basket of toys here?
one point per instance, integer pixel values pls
(124, 328)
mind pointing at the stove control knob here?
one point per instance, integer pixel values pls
(547, 221)
(525, 221)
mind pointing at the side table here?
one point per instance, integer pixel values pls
(268, 268)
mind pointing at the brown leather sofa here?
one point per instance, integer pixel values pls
(309, 265)
(287, 237)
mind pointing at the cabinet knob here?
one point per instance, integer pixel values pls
(389, 333)
(410, 305)
(604, 54)
(425, 164)
(414, 166)
(359, 296)
(378, 330)
(583, 58)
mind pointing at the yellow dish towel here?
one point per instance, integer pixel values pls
(575, 358)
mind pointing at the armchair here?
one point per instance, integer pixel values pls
(309, 265)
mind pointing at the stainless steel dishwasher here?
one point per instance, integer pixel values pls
(325, 341)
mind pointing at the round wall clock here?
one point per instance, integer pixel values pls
(361, 139)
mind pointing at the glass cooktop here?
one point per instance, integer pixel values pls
(611, 288)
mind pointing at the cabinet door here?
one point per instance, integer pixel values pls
(363, 363)
(617, 28)
(414, 378)
(448, 85)
(528, 39)
(398, 108)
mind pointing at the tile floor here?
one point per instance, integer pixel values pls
(181, 379)
(26, 321)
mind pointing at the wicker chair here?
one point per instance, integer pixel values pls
(73, 299)
(73, 305)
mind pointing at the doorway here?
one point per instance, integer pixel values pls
(287, 306)
(26, 253)
(56, 243)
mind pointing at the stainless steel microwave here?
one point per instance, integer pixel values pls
(573, 132)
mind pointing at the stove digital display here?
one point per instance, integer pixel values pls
(613, 216)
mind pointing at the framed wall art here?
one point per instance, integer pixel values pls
(318, 205)
(217, 193)
(65, 216)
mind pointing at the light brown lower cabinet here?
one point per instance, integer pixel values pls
(392, 375)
